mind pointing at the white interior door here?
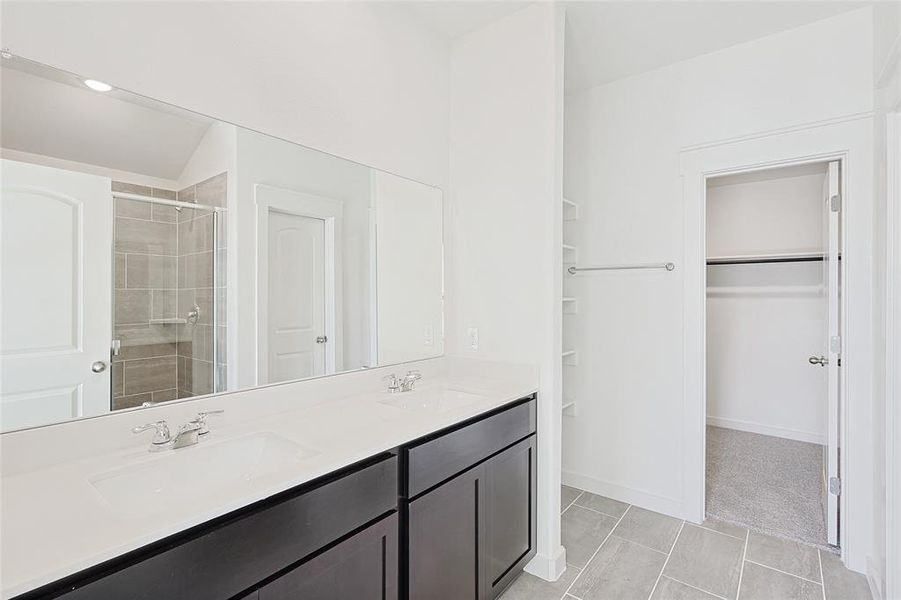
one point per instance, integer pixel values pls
(832, 280)
(296, 292)
(55, 289)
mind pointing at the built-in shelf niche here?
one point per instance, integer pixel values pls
(570, 210)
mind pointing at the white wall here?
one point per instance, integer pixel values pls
(622, 163)
(765, 320)
(505, 196)
(360, 80)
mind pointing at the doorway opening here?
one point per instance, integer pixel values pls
(773, 326)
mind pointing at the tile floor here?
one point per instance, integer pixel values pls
(616, 551)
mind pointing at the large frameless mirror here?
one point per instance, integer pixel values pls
(151, 254)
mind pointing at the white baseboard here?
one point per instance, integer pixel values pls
(549, 568)
(874, 579)
(662, 504)
(791, 434)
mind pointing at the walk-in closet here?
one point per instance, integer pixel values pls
(773, 342)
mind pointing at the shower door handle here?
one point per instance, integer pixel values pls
(818, 360)
(98, 366)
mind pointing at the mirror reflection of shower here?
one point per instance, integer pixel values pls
(168, 297)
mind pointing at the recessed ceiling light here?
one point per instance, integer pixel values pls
(97, 86)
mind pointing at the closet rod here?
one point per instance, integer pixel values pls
(763, 260)
(668, 266)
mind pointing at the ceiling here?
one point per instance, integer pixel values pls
(50, 112)
(606, 41)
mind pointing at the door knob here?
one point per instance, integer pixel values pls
(321, 339)
(98, 366)
(818, 360)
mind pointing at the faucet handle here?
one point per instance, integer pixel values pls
(413, 374)
(394, 382)
(200, 420)
(161, 434)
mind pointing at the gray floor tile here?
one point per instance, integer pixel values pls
(529, 587)
(707, 560)
(567, 495)
(842, 583)
(670, 589)
(583, 531)
(649, 529)
(785, 555)
(608, 506)
(761, 583)
(726, 528)
(620, 569)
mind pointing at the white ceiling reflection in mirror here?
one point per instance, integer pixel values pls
(151, 254)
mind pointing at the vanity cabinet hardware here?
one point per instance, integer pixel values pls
(362, 566)
(447, 453)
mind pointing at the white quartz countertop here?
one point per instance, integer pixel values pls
(55, 523)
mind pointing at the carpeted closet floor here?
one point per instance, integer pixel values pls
(771, 485)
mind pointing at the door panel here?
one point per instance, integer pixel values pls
(363, 567)
(509, 514)
(55, 224)
(832, 281)
(445, 536)
(296, 296)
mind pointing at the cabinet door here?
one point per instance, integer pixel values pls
(361, 567)
(509, 514)
(445, 536)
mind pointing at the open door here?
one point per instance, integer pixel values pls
(832, 362)
(56, 282)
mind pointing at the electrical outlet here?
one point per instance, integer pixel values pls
(472, 334)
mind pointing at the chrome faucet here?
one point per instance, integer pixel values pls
(402, 384)
(188, 434)
(406, 384)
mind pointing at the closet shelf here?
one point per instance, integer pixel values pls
(570, 254)
(743, 259)
(570, 210)
(570, 358)
(569, 408)
(570, 305)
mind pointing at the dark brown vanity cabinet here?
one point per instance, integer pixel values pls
(469, 535)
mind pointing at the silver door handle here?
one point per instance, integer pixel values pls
(321, 339)
(818, 360)
(98, 366)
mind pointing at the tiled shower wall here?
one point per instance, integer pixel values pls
(163, 266)
(145, 283)
(196, 346)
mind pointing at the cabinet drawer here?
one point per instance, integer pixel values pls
(223, 560)
(437, 459)
(362, 567)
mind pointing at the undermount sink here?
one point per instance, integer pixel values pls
(196, 471)
(437, 400)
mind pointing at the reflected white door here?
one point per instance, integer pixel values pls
(55, 289)
(296, 291)
(832, 280)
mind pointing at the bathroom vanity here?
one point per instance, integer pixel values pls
(449, 514)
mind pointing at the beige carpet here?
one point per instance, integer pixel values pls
(768, 484)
